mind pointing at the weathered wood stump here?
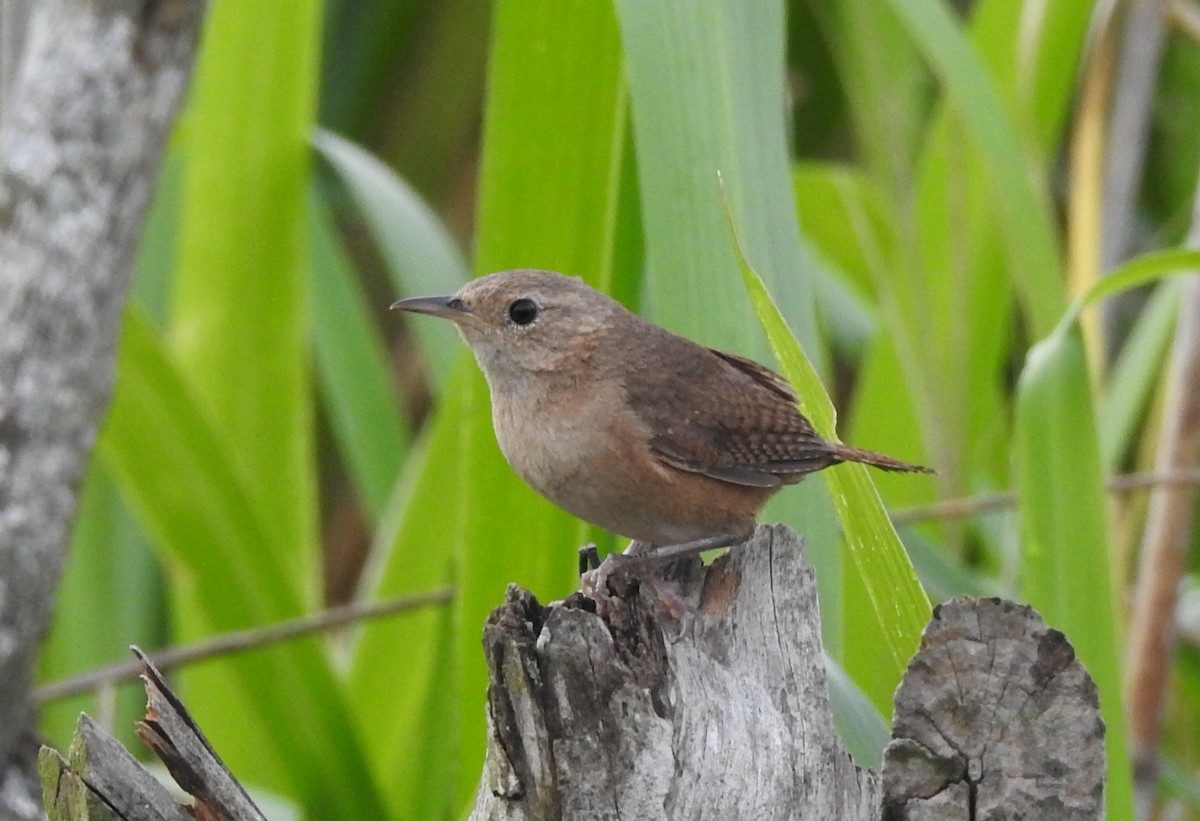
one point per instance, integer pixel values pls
(702, 694)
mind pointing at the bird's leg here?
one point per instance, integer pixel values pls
(654, 554)
(637, 548)
(589, 556)
(642, 555)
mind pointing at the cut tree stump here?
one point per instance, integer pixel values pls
(702, 694)
(994, 714)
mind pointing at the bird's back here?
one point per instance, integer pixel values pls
(719, 414)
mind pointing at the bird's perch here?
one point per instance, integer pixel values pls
(704, 696)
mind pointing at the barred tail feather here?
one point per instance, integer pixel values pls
(845, 453)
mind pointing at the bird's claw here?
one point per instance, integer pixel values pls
(595, 583)
(589, 558)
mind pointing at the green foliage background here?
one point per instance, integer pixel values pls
(897, 176)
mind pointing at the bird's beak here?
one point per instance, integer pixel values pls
(447, 307)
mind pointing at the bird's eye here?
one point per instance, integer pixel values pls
(523, 311)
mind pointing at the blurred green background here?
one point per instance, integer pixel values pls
(916, 182)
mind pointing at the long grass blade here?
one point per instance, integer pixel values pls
(421, 256)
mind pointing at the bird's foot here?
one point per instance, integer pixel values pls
(593, 582)
(655, 555)
(640, 558)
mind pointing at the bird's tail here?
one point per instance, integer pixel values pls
(845, 453)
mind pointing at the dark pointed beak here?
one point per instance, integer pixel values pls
(447, 307)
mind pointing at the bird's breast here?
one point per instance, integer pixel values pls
(554, 440)
(589, 453)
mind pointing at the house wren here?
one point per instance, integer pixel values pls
(627, 425)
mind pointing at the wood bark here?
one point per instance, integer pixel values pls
(85, 121)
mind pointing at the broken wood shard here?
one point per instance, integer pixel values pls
(170, 731)
(102, 781)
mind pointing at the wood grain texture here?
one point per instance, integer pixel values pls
(995, 718)
(171, 732)
(100, 779)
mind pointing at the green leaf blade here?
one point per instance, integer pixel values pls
(421, 256)
(1065, 540)
(190, 496)
(1023, 210)
(355, 376)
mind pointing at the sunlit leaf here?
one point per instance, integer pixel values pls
(189, 493)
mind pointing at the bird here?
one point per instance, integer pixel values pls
(628, 426)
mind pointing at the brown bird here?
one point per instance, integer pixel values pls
(627, 425)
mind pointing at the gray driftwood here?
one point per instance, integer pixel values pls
(700, 696)
(85, 118)
(995, 715)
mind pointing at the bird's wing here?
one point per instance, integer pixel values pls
(724, 416)
(760, 374)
